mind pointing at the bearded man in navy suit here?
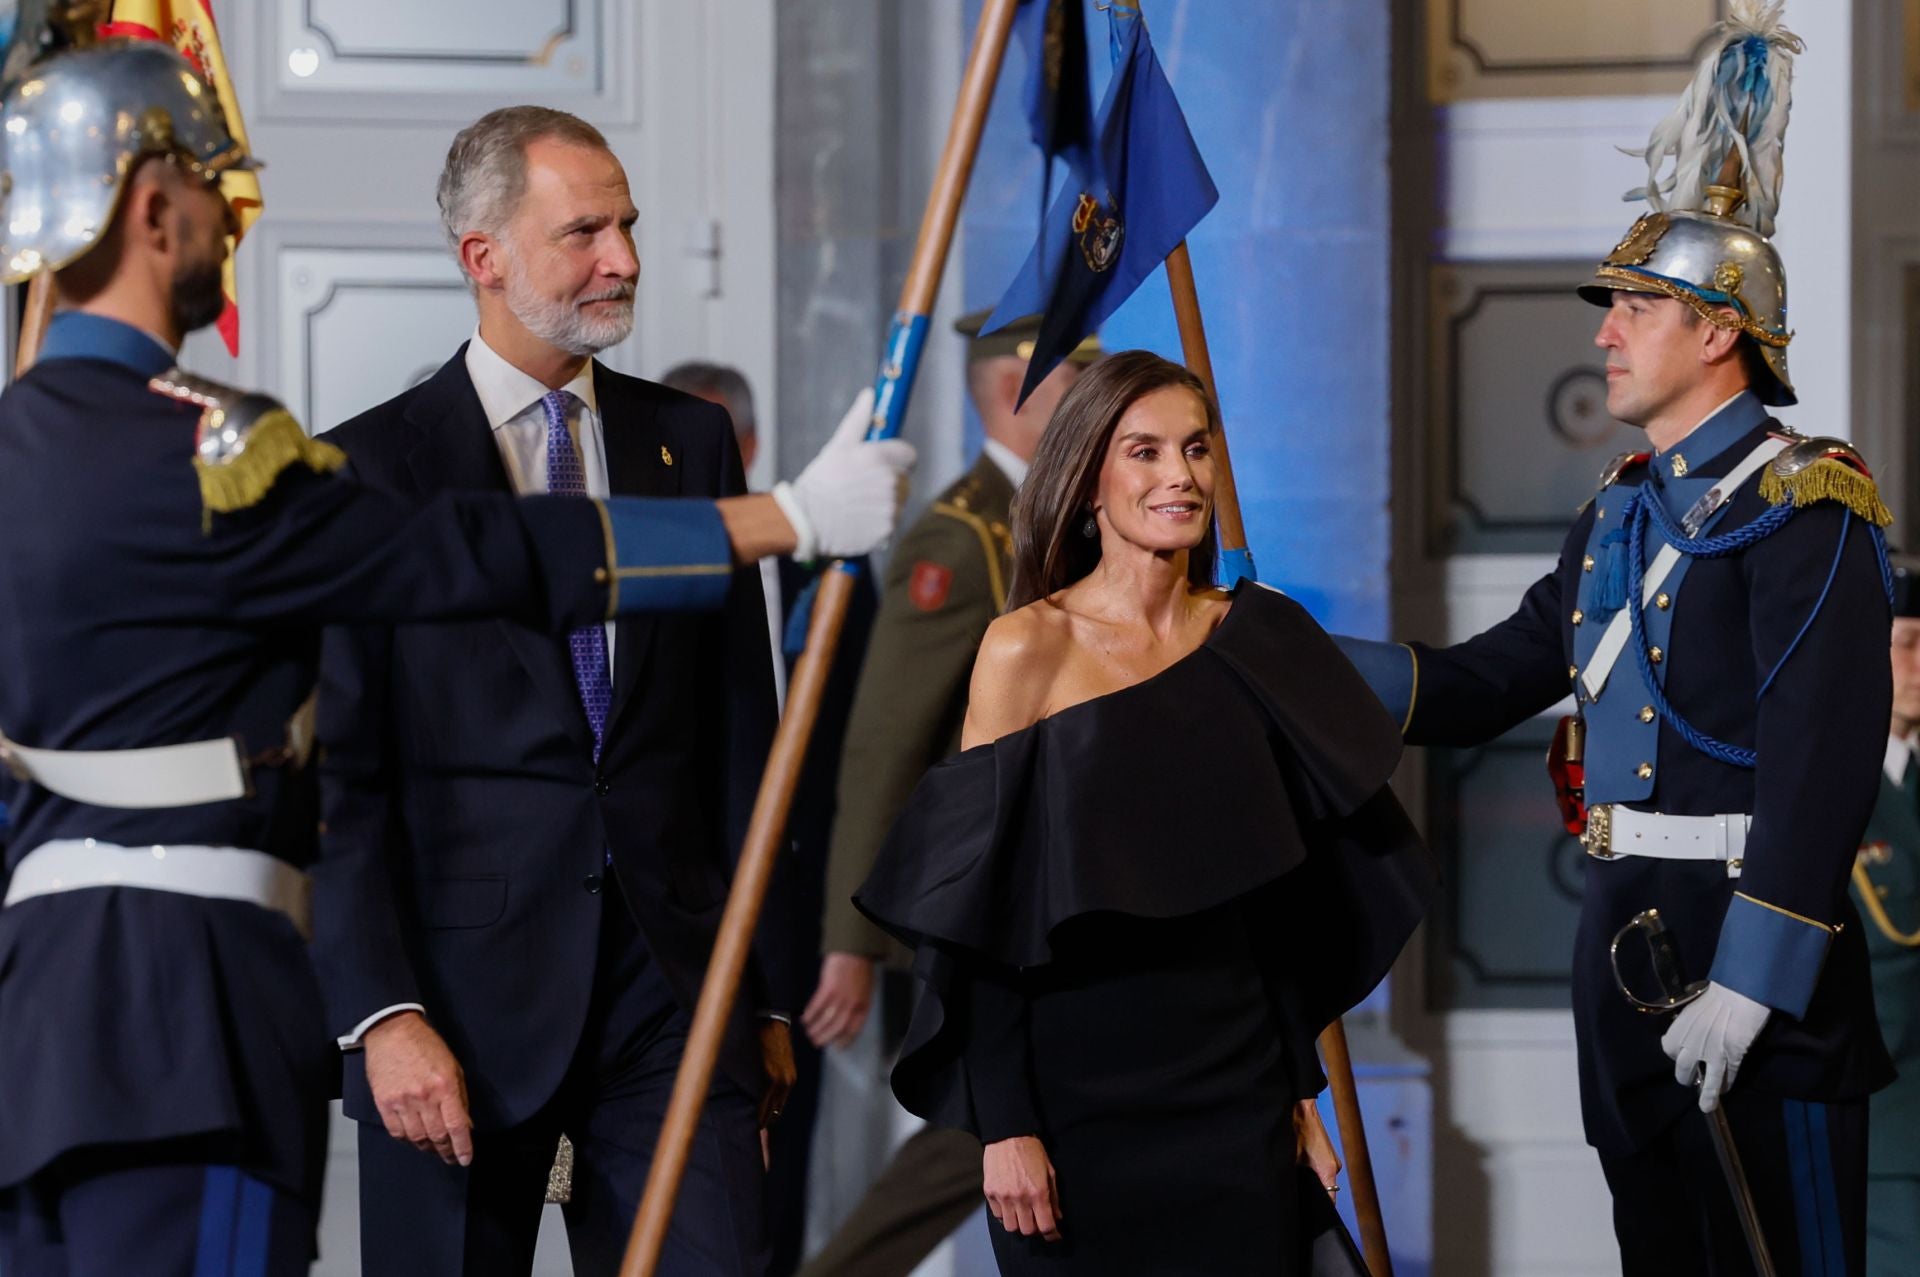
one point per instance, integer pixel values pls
(529, 840)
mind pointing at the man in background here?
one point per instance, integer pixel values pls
(946, 581)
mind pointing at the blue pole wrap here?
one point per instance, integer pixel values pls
(895, 383)
(1235, 566)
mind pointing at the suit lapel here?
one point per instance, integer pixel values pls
(457, 451)
(636, 467)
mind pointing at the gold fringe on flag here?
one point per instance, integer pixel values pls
(243, 480)
(1827, 480)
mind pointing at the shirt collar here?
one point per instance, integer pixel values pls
(1899, 749)
(1718, 431)
(1007, 460)
(506, 392)
(77, 334)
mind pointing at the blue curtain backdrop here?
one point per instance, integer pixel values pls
(1287, 100)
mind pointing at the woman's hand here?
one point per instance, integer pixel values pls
(1315, 1146)
(1020, 1187)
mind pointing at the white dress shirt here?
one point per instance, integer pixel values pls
(1899, 750)
(1007, 460)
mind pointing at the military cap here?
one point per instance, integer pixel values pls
(1015, 339)
(1906, 584)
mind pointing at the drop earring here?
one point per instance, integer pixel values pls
(1089, 529)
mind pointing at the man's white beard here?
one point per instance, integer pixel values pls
(566, 325)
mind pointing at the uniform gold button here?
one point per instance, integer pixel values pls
(1663, 601)
(1644, 771)
(1646, 713)
(600, 576)
(1586, 564)
(1578, 616)
(1573, 671)
(1656, 656)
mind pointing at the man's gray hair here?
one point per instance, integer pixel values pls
(486, 170)
(719, 382)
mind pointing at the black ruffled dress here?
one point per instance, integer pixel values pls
(1132, 919)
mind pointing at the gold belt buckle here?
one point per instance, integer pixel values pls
(1598, 835)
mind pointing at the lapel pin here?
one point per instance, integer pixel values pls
(666, 457)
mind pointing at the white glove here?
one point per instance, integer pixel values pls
(847, 500)
(1713, 1032)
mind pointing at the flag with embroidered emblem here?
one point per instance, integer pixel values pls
(1127, 204)
(188, 25)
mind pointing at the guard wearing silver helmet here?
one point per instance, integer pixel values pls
(1718, 616)
(174, 546)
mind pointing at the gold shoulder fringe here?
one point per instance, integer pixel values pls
(1827, 480)
(243, 480)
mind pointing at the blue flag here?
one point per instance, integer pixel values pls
(1124, 208)
(1059, 96)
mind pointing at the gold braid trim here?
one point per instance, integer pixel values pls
(1715, 314)
(243, 480)
(1870, 897)
(1827, 480)
(996, 578)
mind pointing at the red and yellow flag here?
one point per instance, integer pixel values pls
(188, 25)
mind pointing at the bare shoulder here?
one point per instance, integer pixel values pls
(1018, 659)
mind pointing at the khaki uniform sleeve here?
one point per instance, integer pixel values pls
(907, 707)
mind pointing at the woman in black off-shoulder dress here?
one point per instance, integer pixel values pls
(1168, 858)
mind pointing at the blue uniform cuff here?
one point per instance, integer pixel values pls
(665, 555)
(1771, 955)
(1390, 669)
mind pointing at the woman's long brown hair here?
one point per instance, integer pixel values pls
(1050, 552)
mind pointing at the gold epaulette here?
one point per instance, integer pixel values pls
(996, 543)
(1811, 470)
(244, 443)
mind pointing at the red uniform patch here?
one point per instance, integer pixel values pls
(930, 584)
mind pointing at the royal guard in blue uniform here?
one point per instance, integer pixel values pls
(173, 548)
(1719, 616)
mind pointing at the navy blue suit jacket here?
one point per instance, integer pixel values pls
(465, 819)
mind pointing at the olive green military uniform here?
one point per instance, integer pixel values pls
(945, 583)
(1886, 887)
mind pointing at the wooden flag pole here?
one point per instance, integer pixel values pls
(33, 322)
(1233, 540)
(768, 824)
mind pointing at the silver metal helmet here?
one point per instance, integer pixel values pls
(74, 127)
(1728, 272)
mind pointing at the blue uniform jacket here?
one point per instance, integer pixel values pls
(1819, 735)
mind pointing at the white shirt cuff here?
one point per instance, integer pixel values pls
(351, 1042)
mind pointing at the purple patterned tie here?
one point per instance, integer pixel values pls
(567, 477)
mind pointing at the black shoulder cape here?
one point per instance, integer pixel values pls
(1255, 767)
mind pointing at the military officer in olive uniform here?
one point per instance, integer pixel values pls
(946, 580)
(1718, 615)
(1886, 887)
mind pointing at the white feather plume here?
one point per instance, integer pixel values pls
(1738, 100)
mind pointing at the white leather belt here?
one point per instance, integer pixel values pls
(1614, 830)
(215, 873)
(208, 771)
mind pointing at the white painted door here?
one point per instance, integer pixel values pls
(347, 291)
